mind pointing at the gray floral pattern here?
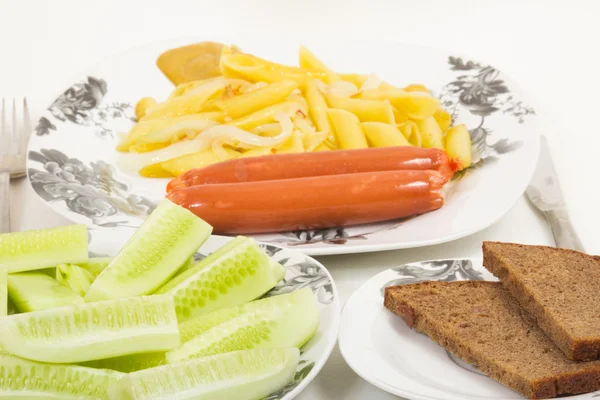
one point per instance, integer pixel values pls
(93, 191)
(440, 270)
(480, 92)
(81, 104)
(336, 236)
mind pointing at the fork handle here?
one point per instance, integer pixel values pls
(4, 201)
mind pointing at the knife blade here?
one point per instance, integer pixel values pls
(545, 194)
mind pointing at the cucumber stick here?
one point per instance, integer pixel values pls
(36, 291)
(287, 320)
(3, 292)
(235, 274)
(129, 363)
(74, 277)
(166, 239)
(95, 265)
(92, 331)
(22, 379)
(26, 251)
(239, 375)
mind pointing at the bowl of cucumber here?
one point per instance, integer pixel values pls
(164, 311)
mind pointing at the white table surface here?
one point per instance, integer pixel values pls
(549, 47)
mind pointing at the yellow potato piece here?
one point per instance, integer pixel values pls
(365, 110)
(418, 105)
(192, 62)
(443, 118)
(250, 102)
(200, 159)
(347, 129)
(383, 135)
(411, 132)
(416, 87)
(142, 106)
(458, 145)
(155, 171)
(431, 133)
(323, 147)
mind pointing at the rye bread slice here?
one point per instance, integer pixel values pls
(560, 288)
(481, 323)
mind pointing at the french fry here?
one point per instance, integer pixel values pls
(239, 106)
(365, 110)
(347, 129)
(431, 133)
(379, 134)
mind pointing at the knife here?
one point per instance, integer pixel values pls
(545, 194)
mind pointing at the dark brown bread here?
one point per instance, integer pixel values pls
(560, 288)
(481, 323)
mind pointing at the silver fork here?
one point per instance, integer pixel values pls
(13, 149)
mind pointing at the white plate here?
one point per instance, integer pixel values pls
(73, 162)
(301, 271)
(380, 348)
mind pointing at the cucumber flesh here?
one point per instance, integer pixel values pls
(22, 379)
(31, 250)
(166, 239)
(93, 331)
(130, 363)
(3, 292)
(240, 375)
(189, 264)
(237, 273)
(96, 265)
(74, 277)
(36, 291)
(287, 320)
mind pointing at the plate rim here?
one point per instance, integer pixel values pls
(328, 249)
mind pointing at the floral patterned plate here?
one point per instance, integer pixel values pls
(302, 271)
(73, 164)
(380, 348)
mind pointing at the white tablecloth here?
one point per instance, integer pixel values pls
(549, 47)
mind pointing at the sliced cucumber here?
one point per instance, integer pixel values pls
(36, 291)
(26, 251)
(130, 363)
(74, 277)
(235, 274)
(166, 239)
(189, 264)
(240, 375)
(92, 331)
(3, 292)
(287, 320)
(22, 379)
(96, 265)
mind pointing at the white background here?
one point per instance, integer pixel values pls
(549, 47)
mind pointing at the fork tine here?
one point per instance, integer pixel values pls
(15, 128)
(26, 130)
(3, 122)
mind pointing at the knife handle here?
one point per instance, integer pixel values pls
(562, 229)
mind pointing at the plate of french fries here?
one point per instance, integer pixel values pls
(324, 146)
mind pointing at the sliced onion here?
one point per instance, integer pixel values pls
(342, 89)
(218, 133)
(372, 82)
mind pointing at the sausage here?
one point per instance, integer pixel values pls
(313, 202)
(300, 165)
